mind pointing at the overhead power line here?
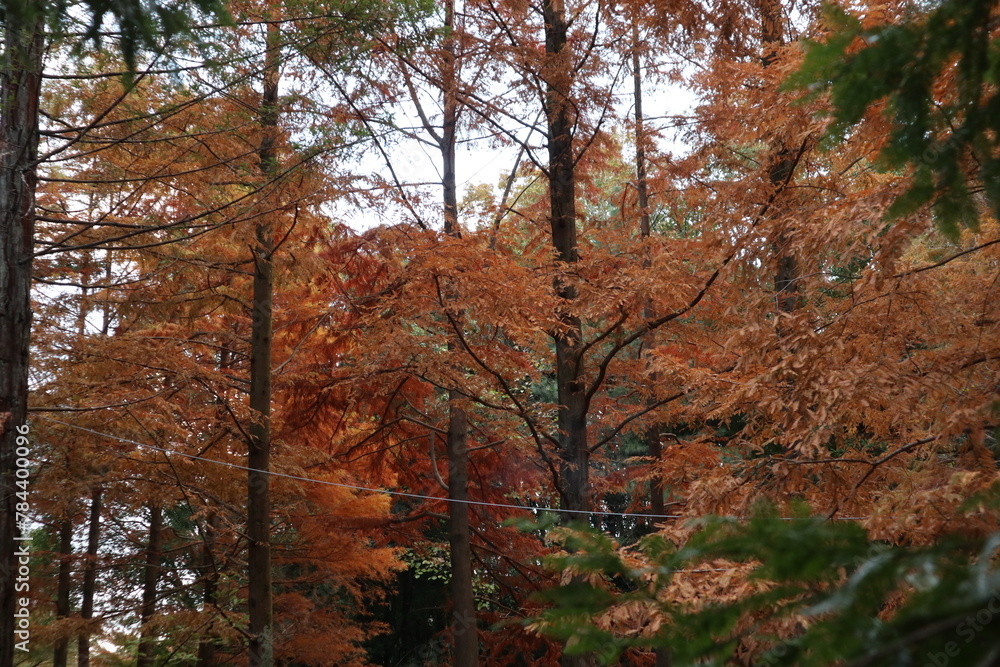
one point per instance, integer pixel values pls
(403, 494)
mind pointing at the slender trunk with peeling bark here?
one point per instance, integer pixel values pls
(151, 578)
(20, 90)
(465, 635)
(89, 579)
(261, 653)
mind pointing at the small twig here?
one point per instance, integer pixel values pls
(434, 465)
(874, 466)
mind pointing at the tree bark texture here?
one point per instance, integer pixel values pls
(574, 455)
(463, 613)
(19, 98)
(572, 418)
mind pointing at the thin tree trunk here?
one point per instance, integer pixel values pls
(89, 587)
(772, 35)
(151, 578)
(642, 188)
(206, 645)
(60, 651)
(653, 446)
(463, 606)
(106, 305)
(261, 652)
(19, 98)
(89, 579)
(641, 185)
(449, 123)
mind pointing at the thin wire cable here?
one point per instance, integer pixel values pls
(404, 494)
(391, 493)
(481, 503)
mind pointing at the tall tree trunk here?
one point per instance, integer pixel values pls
(642, 188)
(572, 419)
(19, 98)
(60, 651)
(463, 610)
(653, 446)
(259, 458)
(206, 645)
(151, 578)
(574, 455)
(89, 579)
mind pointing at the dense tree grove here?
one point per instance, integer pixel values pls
(508, 332)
